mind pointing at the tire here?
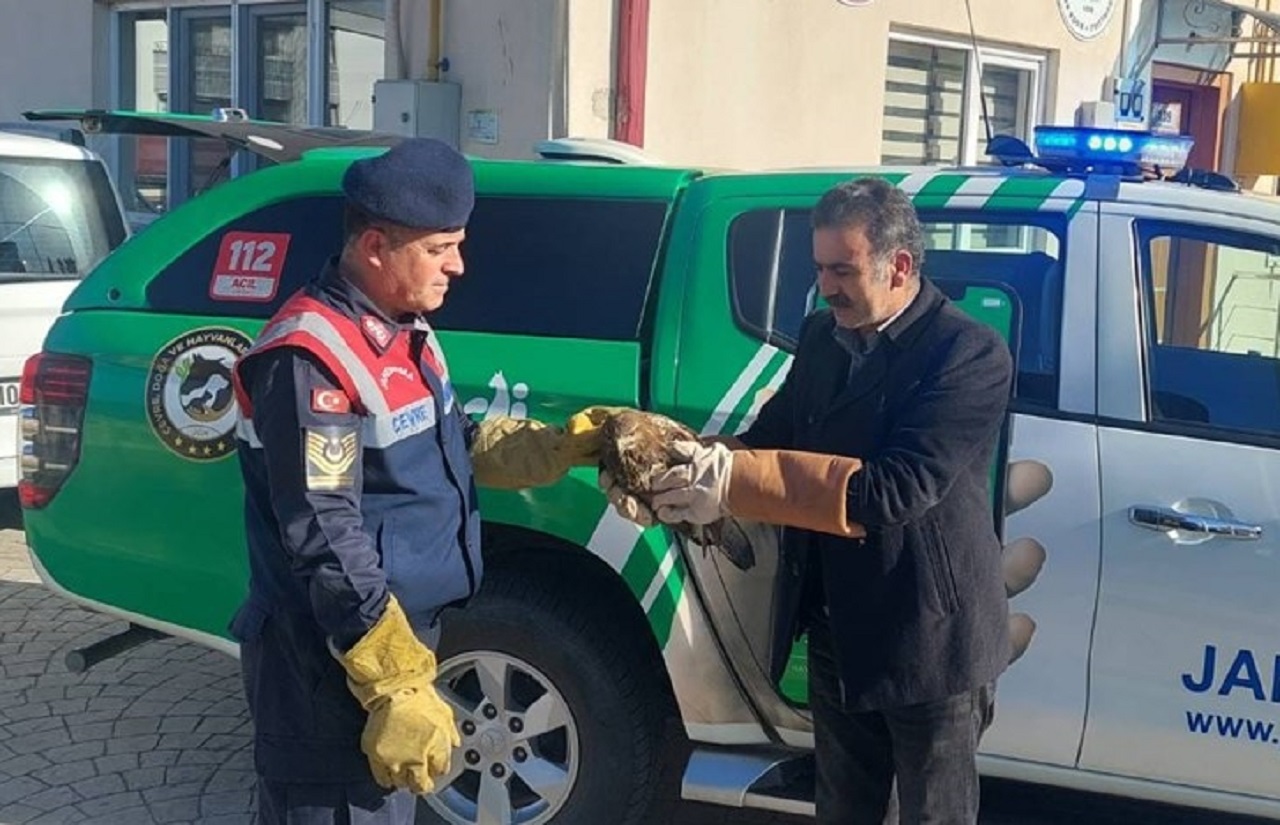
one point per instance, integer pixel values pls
(599, 761)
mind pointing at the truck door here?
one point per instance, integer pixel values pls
(1186, 659)
(754, 265)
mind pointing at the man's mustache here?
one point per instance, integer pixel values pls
(838, 301)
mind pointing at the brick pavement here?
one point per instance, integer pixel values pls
(159, 735)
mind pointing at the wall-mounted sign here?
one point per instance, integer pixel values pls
(1086, 19)
(482, 126)
(1130, 95)
(1166, 118)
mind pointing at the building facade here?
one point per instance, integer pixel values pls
(725, 83)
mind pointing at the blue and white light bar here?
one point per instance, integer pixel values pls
(1086, 147)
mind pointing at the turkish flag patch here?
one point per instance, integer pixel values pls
(330, 401)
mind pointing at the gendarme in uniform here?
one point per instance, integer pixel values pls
(358, 488)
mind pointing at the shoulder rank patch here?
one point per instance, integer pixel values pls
(375, 331)
(330, 401)
(331, 458)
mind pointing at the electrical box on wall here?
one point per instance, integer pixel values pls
(1096, 113)
(418, 108)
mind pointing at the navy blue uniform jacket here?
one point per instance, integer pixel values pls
(358, 482)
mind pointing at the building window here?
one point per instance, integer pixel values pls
(277, 76)
(311, 62)
(201, 75)
(142, 166)
(357, 29)
(211, 56)
(932, 110)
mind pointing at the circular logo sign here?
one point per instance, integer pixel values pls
(1087, 18)
(190, 401)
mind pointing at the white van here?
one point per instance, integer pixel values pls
(60, 215)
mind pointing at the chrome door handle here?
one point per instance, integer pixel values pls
(1162, 519)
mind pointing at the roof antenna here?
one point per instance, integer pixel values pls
(977, 55)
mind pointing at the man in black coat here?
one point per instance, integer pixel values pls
(878, 447)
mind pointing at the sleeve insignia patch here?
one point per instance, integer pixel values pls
(331, 458)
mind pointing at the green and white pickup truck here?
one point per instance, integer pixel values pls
(1139, 471)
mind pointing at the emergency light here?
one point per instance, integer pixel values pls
(1084, 149)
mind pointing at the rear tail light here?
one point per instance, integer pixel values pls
(52, 399)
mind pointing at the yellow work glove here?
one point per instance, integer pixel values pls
(514, 453)
(410, 735)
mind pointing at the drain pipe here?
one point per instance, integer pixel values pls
(435, 55)
(632, 57)
(394, 63)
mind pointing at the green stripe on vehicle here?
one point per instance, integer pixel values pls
(1023, 193)
(937, 191)
(644, 564)
(662, 612)
(742, 387)
(1072, 188)
(665, 571)
(645, 559)
(893, 178)
(750, 402)
(978, 188)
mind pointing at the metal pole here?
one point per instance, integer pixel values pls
(1215, 41)
(317, 14)
(1124, 39)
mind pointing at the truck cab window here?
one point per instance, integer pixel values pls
(1212, 317)
(772, 276)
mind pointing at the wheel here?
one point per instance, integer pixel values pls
(561, 721)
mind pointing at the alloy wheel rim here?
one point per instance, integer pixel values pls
(519, 757)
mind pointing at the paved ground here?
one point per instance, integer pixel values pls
(160, 734)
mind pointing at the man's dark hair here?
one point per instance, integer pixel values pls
(880, 209)
(355, 221)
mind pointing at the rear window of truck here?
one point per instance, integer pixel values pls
(562, 267)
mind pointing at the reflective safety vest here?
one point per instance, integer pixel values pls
(418, 498)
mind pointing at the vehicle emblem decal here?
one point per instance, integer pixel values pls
(189, 398)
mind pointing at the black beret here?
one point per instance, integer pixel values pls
(421, 183)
